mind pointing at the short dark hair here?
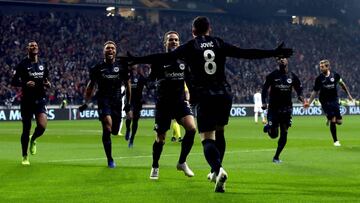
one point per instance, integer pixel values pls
(109, 42)
(168, 33)
(31, 41)
(201, 25)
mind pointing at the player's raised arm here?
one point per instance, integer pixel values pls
(280, 51)
(167, 57)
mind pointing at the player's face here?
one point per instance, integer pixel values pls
(172, 41)
(33, 48)
(324, 68)
(282, 62)
(110, 51)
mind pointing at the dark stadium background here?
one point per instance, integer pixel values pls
(71, 33)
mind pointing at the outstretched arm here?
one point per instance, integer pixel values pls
(237, 52)
(155, 58)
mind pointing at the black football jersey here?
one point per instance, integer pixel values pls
(206, 55)
(281, 85)
(109, 79)
(169, 79)
(27, 71)
(327, 87)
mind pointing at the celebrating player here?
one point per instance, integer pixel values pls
(208, 87)
(326, 84)
(32, 75)
(171, 104)
(109, 76)
(138, 82)
(281, 82)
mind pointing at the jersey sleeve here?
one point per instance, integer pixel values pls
(236, 52)
(168, 57)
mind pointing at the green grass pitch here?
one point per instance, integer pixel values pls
(70, 165)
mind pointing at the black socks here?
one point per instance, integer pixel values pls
(186, 145)
(212, 155)
(157, 149)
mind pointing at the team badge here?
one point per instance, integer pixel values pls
(332, 79)
(41, 67)
(182, 66)
(136, 80)
(289, 80)
(116, 69)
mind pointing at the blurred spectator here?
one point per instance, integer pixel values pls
(71, 43)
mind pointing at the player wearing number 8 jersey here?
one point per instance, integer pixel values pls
(209, 90)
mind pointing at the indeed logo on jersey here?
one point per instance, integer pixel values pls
(110, 76)
(207, 45)
(329, 86)
(174, 75)
(37, 74)
(283, 87)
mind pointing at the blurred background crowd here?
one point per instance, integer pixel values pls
(71, 43)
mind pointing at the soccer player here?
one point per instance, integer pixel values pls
(281, 83)
(171, 104)
(257, 107)
(326, 83)
(138, 82)
(32, 75)
(109, 76)
(209, 90)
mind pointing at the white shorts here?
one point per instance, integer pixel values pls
(258, 109)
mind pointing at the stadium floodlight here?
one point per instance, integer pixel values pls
(293, 17)
(110, 11)
(110, 8)
(132, 9)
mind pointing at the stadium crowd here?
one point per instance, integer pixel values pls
(72, 43)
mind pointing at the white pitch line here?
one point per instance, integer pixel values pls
(150, 156)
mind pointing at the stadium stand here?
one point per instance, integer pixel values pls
(72, 42)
